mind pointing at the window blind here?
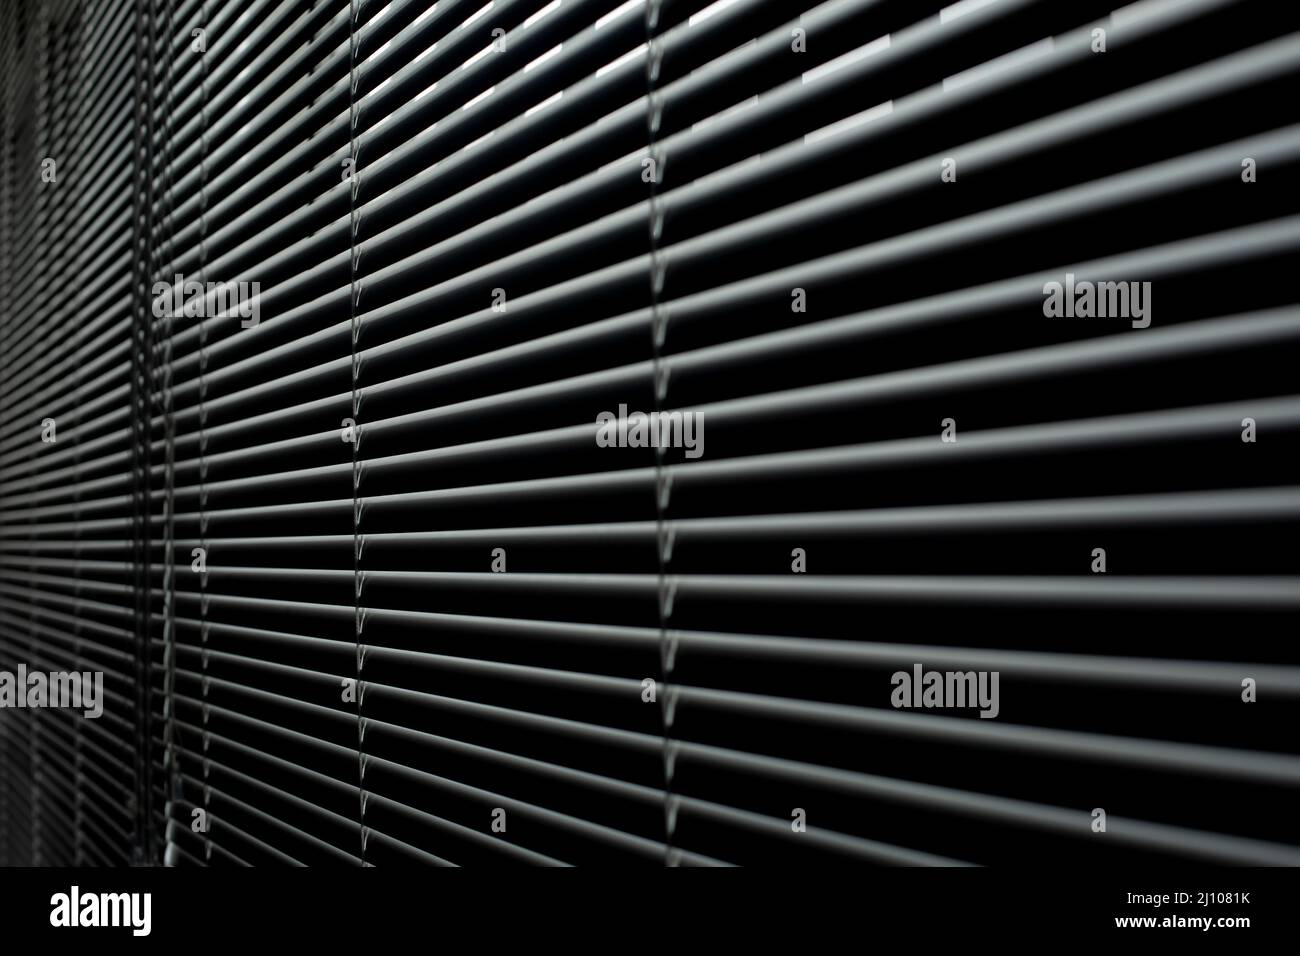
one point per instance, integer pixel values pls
(69, 596)
(326, 302)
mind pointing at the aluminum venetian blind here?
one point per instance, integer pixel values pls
(366, 589)
(71, 512)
